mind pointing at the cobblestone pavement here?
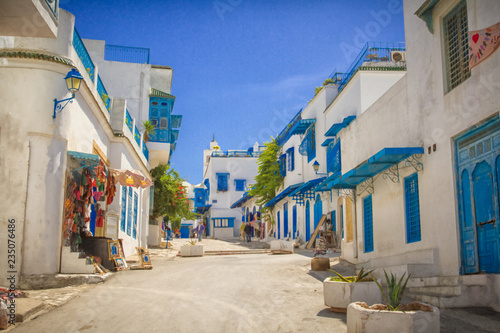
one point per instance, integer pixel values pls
(58, 296)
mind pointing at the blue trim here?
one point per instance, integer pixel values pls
(307, 186)
(327, 142)
(335, 128)
(124, 208)
(282, 194)
(290, 157)
(129, 212)
(134, 230)
(301, 126)
(84, 156)
(240, 202)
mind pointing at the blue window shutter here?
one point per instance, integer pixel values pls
(129, 212)
(134, 231)
(368, 223)
(311, 144)
(240, 184)
(124, 208)
(412, 204)
(283, 165)
(333, 161)
(290, 158)
(334, 221)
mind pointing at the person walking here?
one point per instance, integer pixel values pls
(242, 230)
(199, 230)
(248, 232)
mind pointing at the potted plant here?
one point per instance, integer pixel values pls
(340, 291)
(191, 249)
(393, 316)
(148, 129)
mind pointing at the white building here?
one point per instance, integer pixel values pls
(226, 177)
(47, 150)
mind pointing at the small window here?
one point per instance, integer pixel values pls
(154, 122)
(412, 204)
(290, 159)
(240, 184)
(222, 181)
(456, 45)
(163, 123)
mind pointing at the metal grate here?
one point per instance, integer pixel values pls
(129, 121)
(103, 93)
(283, 165)
(456, 45)
(368, 223)
(290, 158)
(83, 54)
(412, 209)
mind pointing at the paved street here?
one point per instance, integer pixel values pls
(236, 293)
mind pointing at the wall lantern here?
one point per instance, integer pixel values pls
(73, 82)
(316, 168)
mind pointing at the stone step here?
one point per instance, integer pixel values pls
(442, 291)
(71, 263)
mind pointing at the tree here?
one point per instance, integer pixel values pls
(268, 179)
(170, 198)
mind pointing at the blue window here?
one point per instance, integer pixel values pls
(222, 180)
(283, 165)
(240, 184)
(223, 222)
(368, 223)
(134, 231)
(412, 209)
(285, 220)
(199, 197)
(333, 162)
(278, 229)
(124, 208)
(129, 212)
(290, 159)
(207, 184)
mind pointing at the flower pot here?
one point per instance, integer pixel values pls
(338, 295)
(281, 246)
(361, 319)
(192, 250)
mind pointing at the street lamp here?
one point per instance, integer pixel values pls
(73, 82)
(316, 168)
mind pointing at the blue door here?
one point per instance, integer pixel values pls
(318, 210)
(485, 218)
(468, 227)
(294, 221)
(478, 158)
(308, 221)
(285, 220)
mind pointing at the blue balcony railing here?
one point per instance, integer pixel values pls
(138, 55)
(129, 121)
(103, 93)
(235, 153)
(372, 52)
(84, 56)
(137, 136)
(145, 151)
(285, 133)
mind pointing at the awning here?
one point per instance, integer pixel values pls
(282, 194)
(306, 187)
(325, 184)
(327, 142)
(132, 178)
(301, 126)
(202, 209)
(84, 156)
(335, 129)
(242, 200)
(374, 165)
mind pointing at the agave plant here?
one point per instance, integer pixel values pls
(359, 278)
(192, 242)
(395, 290)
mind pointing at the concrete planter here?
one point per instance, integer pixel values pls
(362, 320)
(192, 251)
(338, 295)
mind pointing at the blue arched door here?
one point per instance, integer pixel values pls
(478, 170)
(308, 221)
(277, 235)
(318, 210)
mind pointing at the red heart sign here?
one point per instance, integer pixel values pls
(475, 38)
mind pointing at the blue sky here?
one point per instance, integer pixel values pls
(242, 69)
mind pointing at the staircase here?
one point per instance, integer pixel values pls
(456, 291)
(71, 263)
